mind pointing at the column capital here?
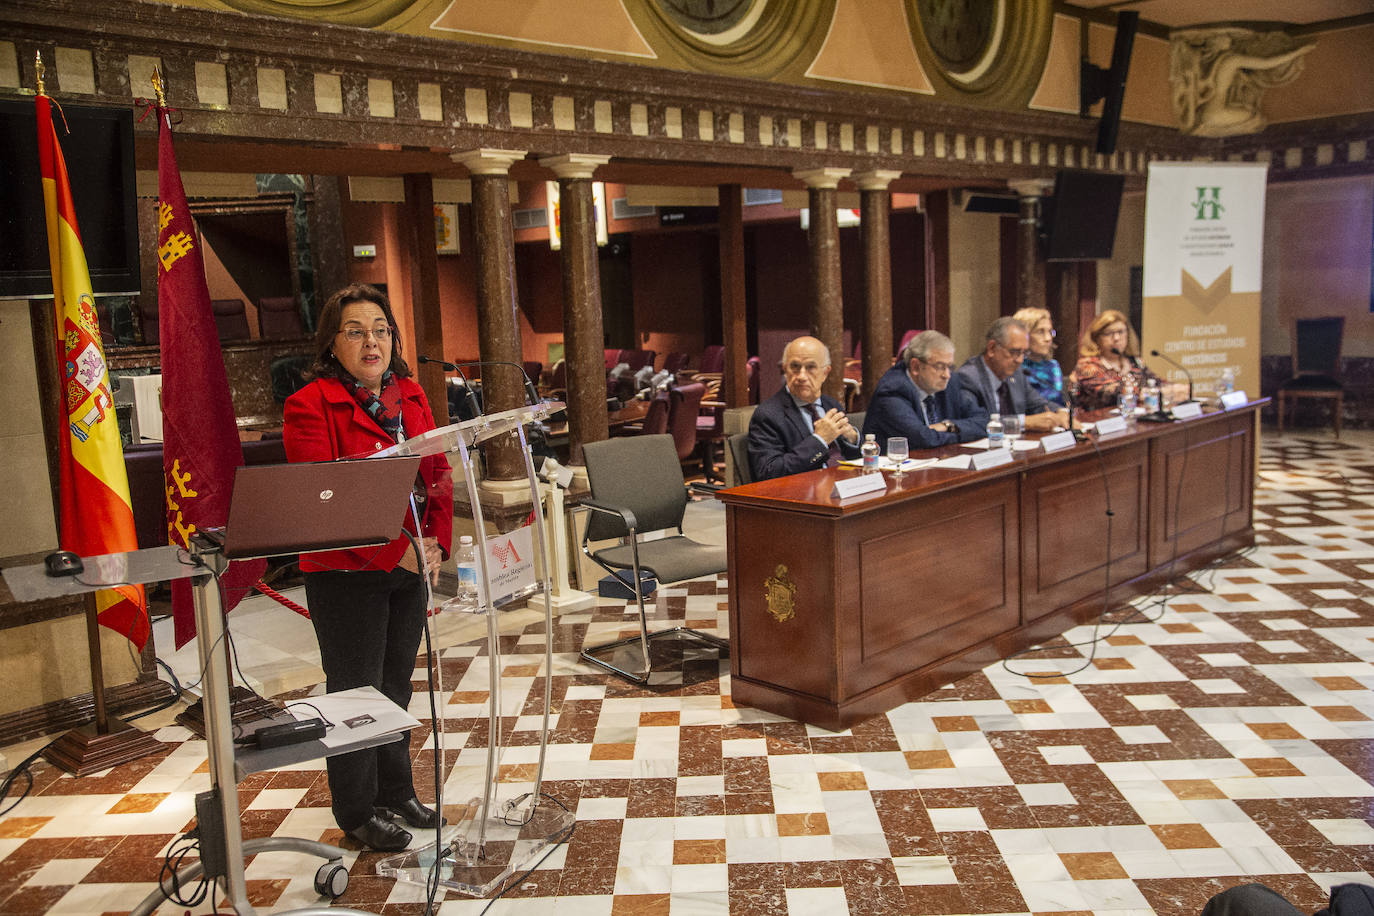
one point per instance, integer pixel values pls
(821, 178)
(1032, 187)
(486, 161)
(876, 179)
(574, 165)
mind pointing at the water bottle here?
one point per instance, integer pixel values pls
(1227, 383)
(1152, 397)
(467, 574)
(870, 452)
(1128, 396)
(996, 435)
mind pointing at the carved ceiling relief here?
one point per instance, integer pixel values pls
(1218, 77)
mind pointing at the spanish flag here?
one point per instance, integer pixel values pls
(96, 517)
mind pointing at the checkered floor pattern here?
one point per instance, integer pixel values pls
(1216, 735)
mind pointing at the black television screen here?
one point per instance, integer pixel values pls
(1080, 220)
(99, 152)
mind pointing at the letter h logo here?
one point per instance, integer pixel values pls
(1208, 203)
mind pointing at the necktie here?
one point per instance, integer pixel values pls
(1004, 403)
(932, 411)
(834, 459)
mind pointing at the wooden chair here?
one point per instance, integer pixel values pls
(1316, 368)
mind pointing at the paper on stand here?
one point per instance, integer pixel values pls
(357, 714)
(1019, 445)
(958, 463)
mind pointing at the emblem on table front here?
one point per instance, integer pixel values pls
(781, 593)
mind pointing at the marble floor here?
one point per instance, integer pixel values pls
(1220, 734)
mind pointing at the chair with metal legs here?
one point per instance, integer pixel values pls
(637, 488)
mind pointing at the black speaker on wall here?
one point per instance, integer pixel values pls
(1108, 86)
(99, 152)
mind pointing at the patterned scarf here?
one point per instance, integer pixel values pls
(384, 408)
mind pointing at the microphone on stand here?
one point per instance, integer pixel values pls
(530, 391)
(468, 394)
(1178, 366)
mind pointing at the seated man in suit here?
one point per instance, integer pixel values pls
(912, 400)
(994, 380)
(799, 429)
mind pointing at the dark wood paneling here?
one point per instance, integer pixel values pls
(1203, 479)
(796, 654)
(1065, 535)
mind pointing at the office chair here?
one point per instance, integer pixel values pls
(737, 469)
(637, 487)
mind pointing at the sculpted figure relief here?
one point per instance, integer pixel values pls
(1218, 77)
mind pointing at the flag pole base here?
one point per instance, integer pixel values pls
(85, 750)
(245, 706)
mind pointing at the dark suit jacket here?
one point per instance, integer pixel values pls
(895, 410)
(976, 380)
(781, 442)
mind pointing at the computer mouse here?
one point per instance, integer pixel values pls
(63, 563)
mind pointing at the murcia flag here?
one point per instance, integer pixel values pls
(96, 517)
(200, 440)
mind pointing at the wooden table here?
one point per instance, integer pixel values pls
(842, 611)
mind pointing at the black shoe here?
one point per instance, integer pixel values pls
(413, 813)
(381, 835)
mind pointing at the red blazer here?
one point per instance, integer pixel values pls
(324, 422)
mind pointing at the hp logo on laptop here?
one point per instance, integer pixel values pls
(326, 495)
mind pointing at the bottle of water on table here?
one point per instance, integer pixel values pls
(870, 453)
(466, 599)
(996, 432)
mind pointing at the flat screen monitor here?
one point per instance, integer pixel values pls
(1079, 222)
(99, 152)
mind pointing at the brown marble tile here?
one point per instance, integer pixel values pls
(970, 845)
(757, 901)
(936, 899)
(955, 723)
(1339, 682)
(660, 718)
(1275, 731)
(17, 827)
(812, 874)
(1271, 766)
(746, 775)
(928, 760)
(640, 905)
(749, 803)
(1193, 789)
(1092, 866)
(843, 781)
(698, 852)
(613, 752)
(699, 805)
(1184, 836)
(581, 881)
(812, 824)
(755, 875)
(1112, 664)
(1028, 707)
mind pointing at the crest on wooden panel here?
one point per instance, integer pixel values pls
(781, 594)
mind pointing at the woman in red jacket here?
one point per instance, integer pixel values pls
(368, 605)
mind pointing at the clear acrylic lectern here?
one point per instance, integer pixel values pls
(509, 824)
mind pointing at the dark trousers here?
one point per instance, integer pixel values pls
(368, 625)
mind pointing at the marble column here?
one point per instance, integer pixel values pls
(875, 207)
(734, 321)
(582, 329)
(498, 321)
(827, 300)
(1030, 267)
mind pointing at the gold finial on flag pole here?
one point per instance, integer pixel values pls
(158, 88)
(39, 69)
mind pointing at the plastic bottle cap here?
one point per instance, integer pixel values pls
(465, 539)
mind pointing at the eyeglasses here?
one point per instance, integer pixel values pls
(357, 335)
(1014, 352)
(796, 368)
(1114, 332)
(1051, 333)
(938, 367)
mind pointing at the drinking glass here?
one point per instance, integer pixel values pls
(1012, 424)
(897, 451)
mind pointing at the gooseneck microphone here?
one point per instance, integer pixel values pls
(530, 391)
(468, 395)
(1178, 366)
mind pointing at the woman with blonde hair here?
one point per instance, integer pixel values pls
(1108, 354)
(1041, 368)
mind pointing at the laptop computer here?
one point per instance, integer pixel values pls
(278, 509)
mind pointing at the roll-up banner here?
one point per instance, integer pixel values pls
(1204, 246)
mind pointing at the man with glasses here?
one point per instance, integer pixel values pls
(912, 399)
(994, 380)
(799, 429)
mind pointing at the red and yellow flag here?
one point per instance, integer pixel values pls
(96, 517)
(200, 439)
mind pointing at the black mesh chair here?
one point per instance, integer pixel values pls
(637, 487)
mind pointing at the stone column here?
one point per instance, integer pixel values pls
(582, 329)
(418, 231)
(875, 206)
(734, 322)
(498, 324)
(827, 301)
(1030, 267)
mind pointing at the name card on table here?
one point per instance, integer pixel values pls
(1057, 442)
(1233, 399)
(1110, 425)
(991, 458)
(858, 485)
(1186, 411)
